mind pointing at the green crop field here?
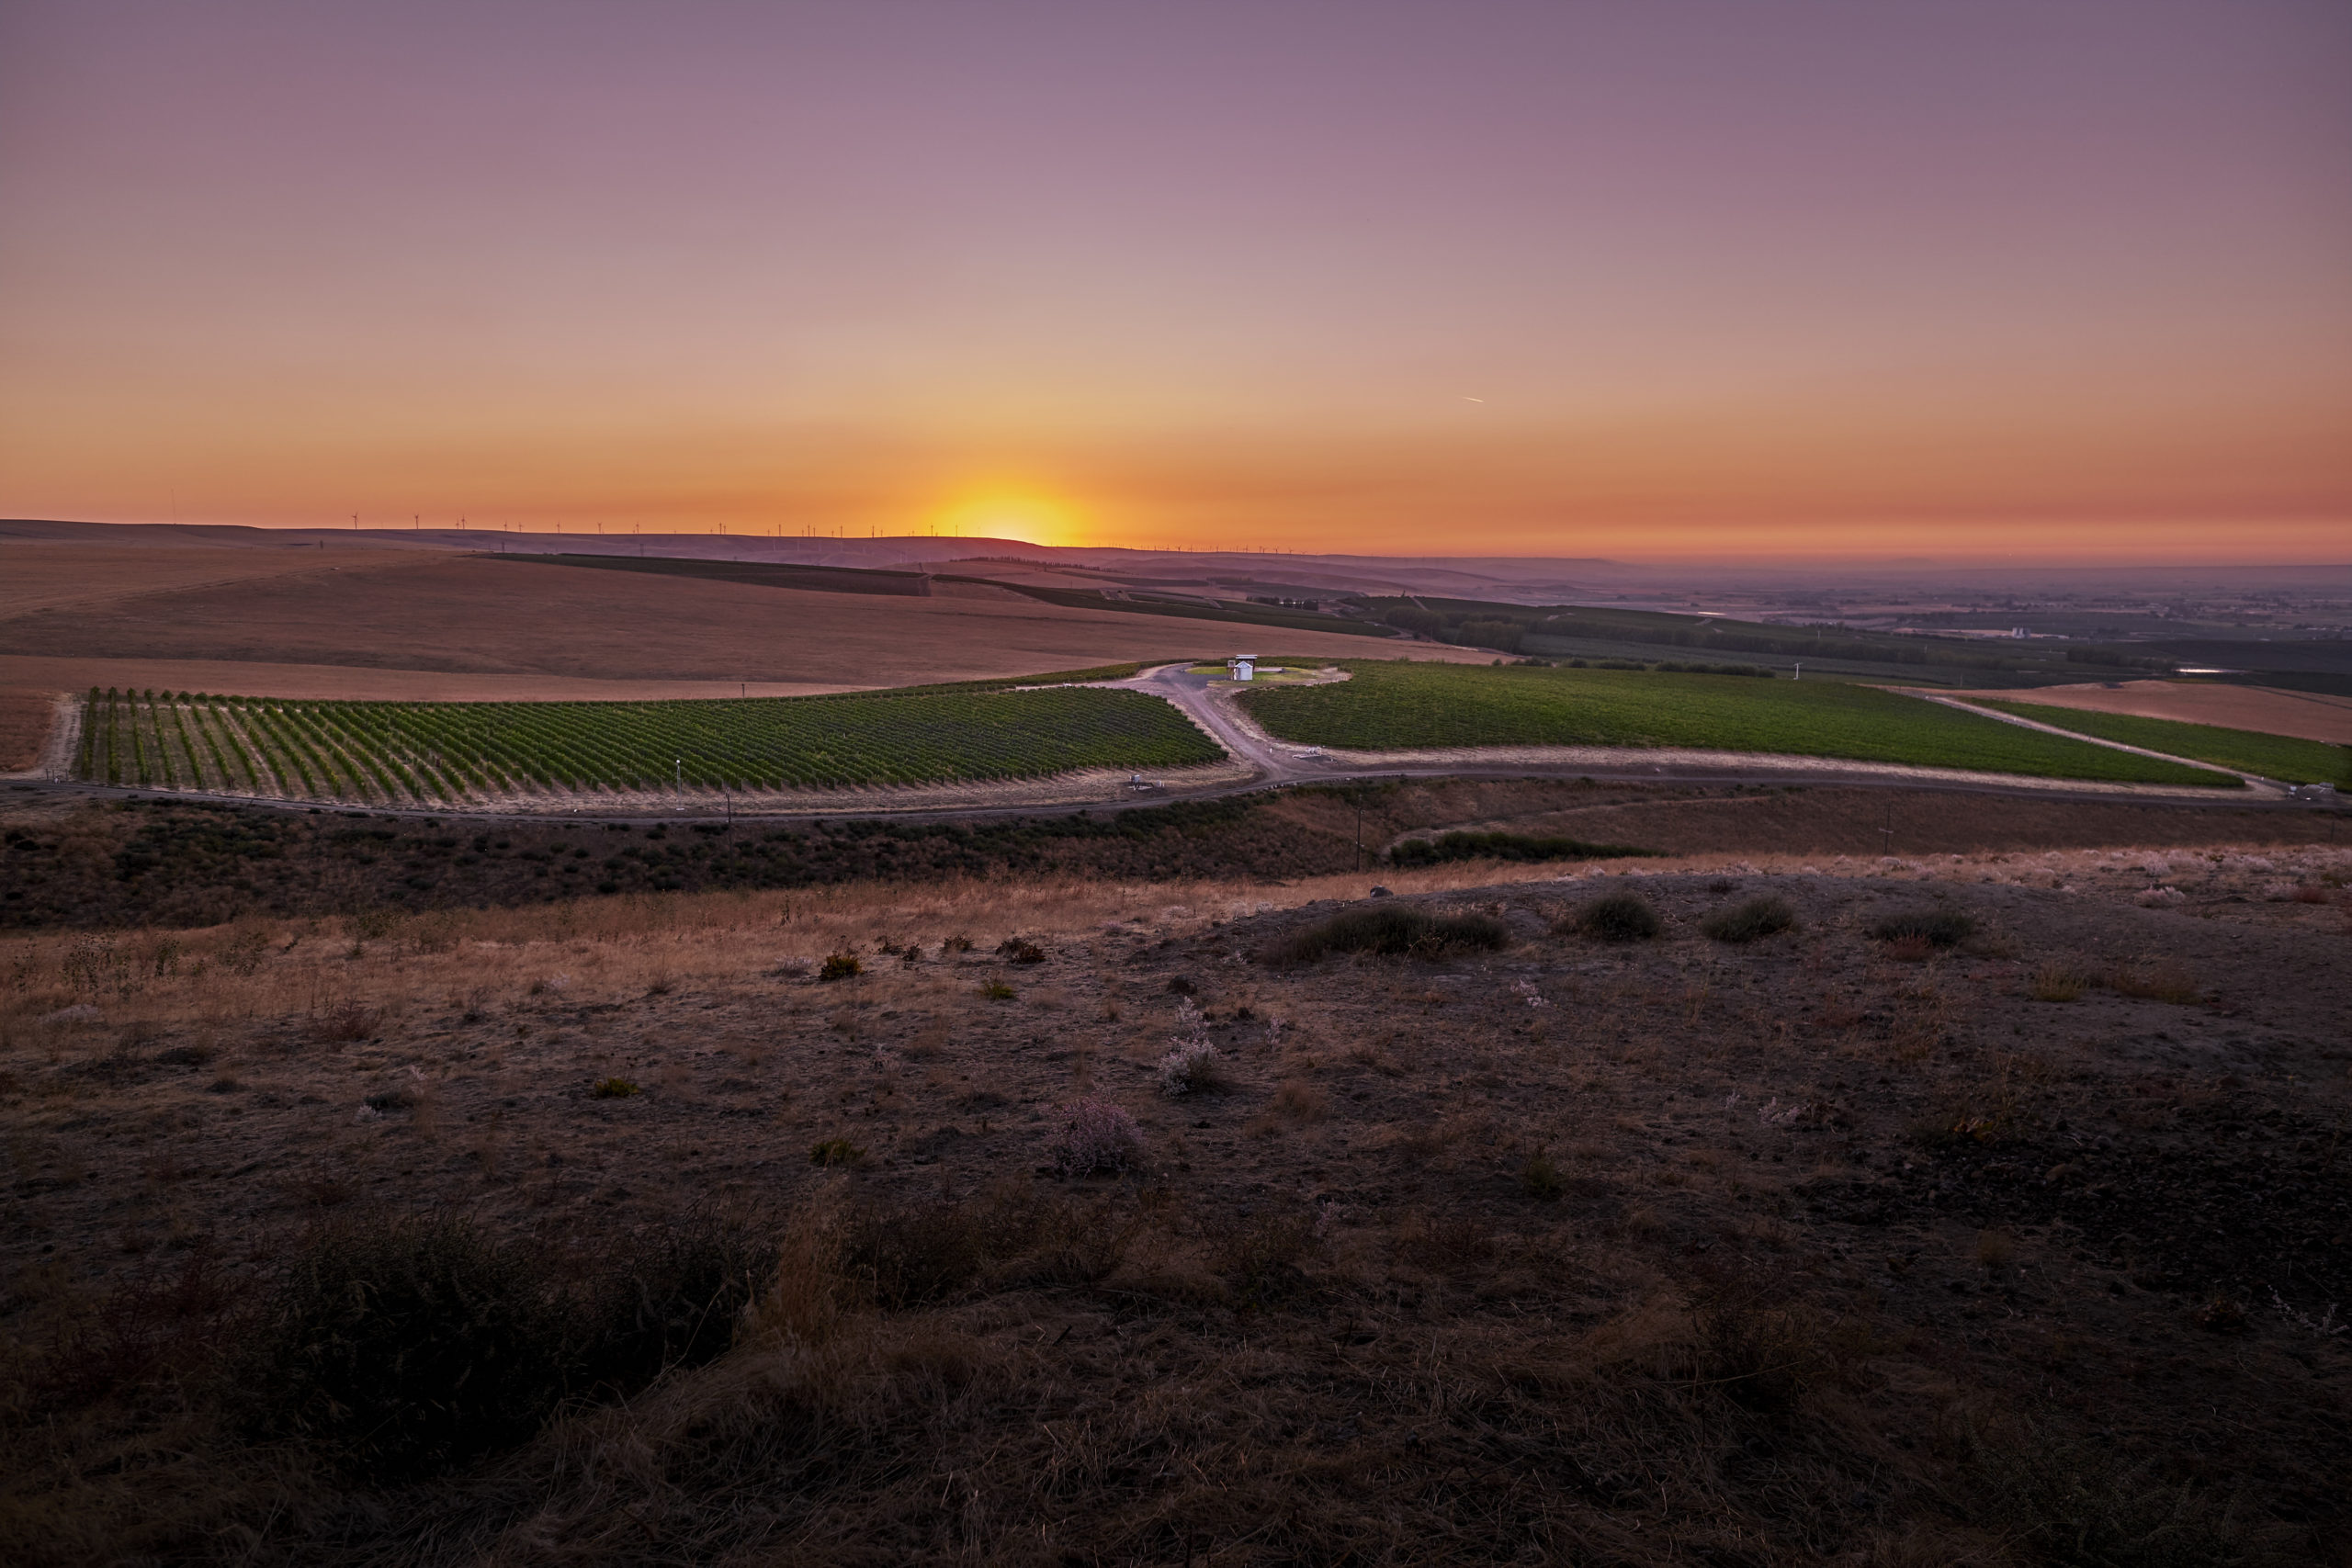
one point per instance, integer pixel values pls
(2273, 756)
(1401, 705)
(429, 753)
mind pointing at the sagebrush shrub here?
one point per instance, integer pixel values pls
(1750, 920)
(1936, 928)
(343, 1024)
(1095, 1135)
(1192, 1063)
(1620, 917)
(841, 966)
(1393, 929)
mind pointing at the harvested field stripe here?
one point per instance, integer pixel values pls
(2279, 757)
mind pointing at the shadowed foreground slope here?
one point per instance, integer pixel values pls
(2015, 1236)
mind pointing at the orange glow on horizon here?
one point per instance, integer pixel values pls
(1019, 514)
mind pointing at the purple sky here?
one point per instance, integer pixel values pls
(2070, 278)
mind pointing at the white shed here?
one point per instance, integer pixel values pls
(1242, 666)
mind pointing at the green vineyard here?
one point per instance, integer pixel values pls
(1386, 705)
(450, 753)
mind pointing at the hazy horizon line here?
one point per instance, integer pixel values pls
(1793, 560)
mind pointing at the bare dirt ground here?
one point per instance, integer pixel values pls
(25, 719)
(402, 624)
(41, 575)
(2308, 716)
(2030, 1248)
(261, 678)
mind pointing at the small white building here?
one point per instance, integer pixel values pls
(1242, 666)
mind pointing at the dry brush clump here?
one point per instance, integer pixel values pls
(1750, 920)
(1616, 917)
(1925, 929)
(1095, 1136)
(1193, 1064)
(1389, 930)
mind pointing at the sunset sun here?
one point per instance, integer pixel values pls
(1012, 514)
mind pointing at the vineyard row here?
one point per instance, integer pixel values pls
(450, 753)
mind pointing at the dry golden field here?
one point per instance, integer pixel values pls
(426, 626)
(1993, 1212)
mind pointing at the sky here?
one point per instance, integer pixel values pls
(1650, 280)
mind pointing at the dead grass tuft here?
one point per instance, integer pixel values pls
(2160, 980)
(1295, 1100)
(2057, 981)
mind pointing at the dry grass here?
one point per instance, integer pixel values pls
(1720, 1324)
(26, 719)
(2162, 980)
(2057, 981)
